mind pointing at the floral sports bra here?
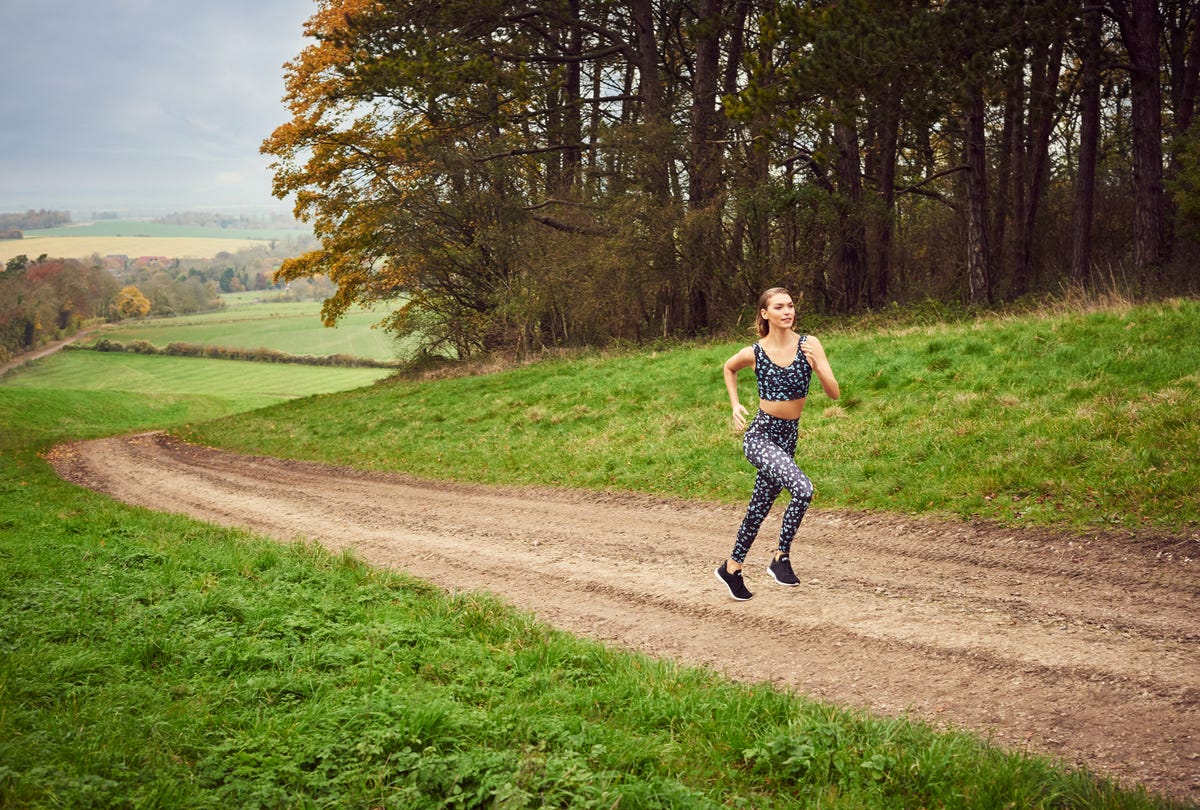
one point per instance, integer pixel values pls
(782, 383)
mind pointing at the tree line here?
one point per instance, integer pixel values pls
(13, 225)
(46, 299)
(258, 355)
(49, 299)
(32, 219)
(517, 174)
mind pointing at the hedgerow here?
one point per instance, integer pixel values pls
(258, 355)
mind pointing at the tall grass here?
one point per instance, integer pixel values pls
(1087, 420)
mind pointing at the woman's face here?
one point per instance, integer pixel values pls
(780, 312)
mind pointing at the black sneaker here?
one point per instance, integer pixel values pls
(781, 570)
(737, 588)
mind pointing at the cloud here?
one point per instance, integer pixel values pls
(131, 102)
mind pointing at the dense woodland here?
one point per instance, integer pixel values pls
(573, 171)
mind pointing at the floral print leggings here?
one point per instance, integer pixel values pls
(770, 443)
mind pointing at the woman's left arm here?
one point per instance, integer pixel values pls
(815, 352)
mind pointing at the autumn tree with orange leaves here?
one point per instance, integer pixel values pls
(512, 175)
(509, 172)
(48, 299)
(131, 303)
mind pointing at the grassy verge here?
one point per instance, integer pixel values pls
(1082, 420)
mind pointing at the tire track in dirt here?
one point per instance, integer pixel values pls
(1085, 649)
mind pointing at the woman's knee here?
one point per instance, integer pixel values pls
(801, 488)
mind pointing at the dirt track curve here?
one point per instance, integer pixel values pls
(1088, 651)
(43, 351)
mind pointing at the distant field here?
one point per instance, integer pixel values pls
(80, 247)
(237, 385)
(292, 327)
(140, 228)
(199, 388)
(140, 238)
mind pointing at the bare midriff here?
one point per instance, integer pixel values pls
(782, 409)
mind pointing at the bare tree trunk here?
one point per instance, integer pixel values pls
(976, 161)
(737, 47)
(732, 293)
(884, 169)
(1089, 134)
(572, 110)
(850, 259)
(1140, 28)
(706, 119)
(705, 254)
(759, 265)
(655, 157)
(595, 166)
(655, 118)
(1183, 51)
(1181, 21)
(554, 132)
(1045, 67)
(1013, 247)
(1011, 167)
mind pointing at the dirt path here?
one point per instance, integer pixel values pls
(1088, 650)
(43, 351)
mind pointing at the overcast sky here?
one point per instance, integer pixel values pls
(142, 106)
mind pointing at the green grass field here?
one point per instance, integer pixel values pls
(240, 386)
(148, 660)
(291, 327)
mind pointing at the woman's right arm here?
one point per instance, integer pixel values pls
(743, 359)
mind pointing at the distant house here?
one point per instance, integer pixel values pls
(152, 262)
(116, 261)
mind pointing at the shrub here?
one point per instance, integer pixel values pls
(261, 354)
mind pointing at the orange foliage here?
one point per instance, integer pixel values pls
(131, 303)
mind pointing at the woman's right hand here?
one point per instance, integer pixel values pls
(739, 416)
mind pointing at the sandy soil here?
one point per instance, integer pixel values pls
(1086, 650)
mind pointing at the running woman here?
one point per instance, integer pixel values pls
(783, 363)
